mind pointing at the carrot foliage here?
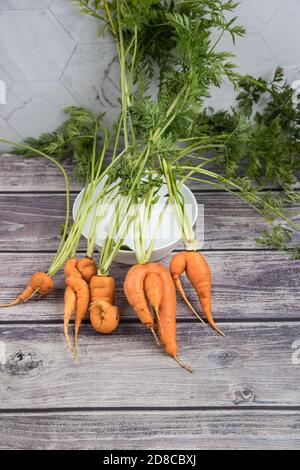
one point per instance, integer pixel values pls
(170, 57)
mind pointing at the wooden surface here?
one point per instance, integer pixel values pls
(124, 393)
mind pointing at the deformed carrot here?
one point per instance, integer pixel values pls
(104, 315)
(198, 273)
(70, 268)
(87, 268)
(134, 288)
(82, 292)
(134, 291)
(69, 309)
(39, 282)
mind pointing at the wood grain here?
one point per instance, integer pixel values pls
(103, 430)
(20, 174)
(251, 366)
(249, 370)
(32, 222)
(245, 285)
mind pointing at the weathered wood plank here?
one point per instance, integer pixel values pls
(245, 285)
(207, 430)
(32, 222)
(251, 366)
(19, 174)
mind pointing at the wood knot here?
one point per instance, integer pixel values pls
(224, 358)
(21, 363)
(245, 395)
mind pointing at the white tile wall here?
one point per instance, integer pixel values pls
(50, 57)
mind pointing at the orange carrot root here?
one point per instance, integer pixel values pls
(104, 315)
(70, 268)
(81, 289)
(154, 291)
(152, 281)
(87, 268)
(69, 309)
(39, 282)
(134, 292)
(198, 273)
(182, 293)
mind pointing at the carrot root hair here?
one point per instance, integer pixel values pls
(184, 366)
(11, 304)
(33, 293)
(183, 295)
(155, 336)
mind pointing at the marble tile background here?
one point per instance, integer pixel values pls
(51, 57)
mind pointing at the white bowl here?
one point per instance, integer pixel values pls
(169, 234)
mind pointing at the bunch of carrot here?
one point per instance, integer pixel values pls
(128, 180)
(152, 141)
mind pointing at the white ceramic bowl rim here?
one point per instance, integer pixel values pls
(164, 246)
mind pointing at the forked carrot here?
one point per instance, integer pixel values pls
(134, 288)
(104, 315)
(134, 291)
(198, 273)
(82, 292)
(39, 282)
(70, 267)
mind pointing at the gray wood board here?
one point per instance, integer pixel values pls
(252, 365)
(32, 222)
(135, 430)
(245, 285)
(20, 174)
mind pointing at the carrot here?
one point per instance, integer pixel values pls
(39, 282)
(134, 291)
(70, 268)
(70, 304)
(104, 315)
(134, 288)
(154, 291)
(87, 268)
(82, 292)
(198, 273)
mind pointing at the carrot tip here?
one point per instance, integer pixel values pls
(184, 366)
(11, 304)
(157, 314)
(155, 337)
(214, 327)
(75, 357)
